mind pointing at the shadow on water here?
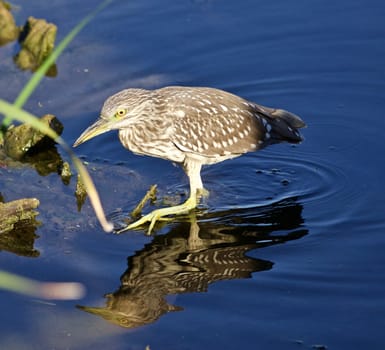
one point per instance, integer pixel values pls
(195, 254)
(21, 239)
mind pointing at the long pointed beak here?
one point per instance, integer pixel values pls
(99, 127)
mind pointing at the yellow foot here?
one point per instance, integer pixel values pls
(161, 214)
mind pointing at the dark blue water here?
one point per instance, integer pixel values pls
(288, 249)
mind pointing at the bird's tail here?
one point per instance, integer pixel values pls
(281, 125)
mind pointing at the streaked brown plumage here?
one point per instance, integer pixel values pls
(192, 126)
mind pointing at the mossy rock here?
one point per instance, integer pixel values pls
(19, 140)
(37, 41)
(8, 29)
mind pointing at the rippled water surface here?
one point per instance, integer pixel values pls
(287, 252)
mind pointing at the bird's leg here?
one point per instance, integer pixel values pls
(198, 186)
(202, 192)
(192, 169)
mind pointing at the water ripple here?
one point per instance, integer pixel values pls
(272, 177)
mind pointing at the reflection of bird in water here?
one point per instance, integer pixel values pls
(192, 126)
(190, 259)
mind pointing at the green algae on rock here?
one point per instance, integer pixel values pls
(8, 29)
(18, 225)
(21, 139)
(65, 173)
(80, 193)
(12, 212)
(37, 41)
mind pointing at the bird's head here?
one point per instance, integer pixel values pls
(119, 111)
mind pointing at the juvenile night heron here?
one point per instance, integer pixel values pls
(192, 126)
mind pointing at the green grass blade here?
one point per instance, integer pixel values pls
(26, 117)
(30, 87)
(46, 290)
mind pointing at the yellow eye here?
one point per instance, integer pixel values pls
(121, 112)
